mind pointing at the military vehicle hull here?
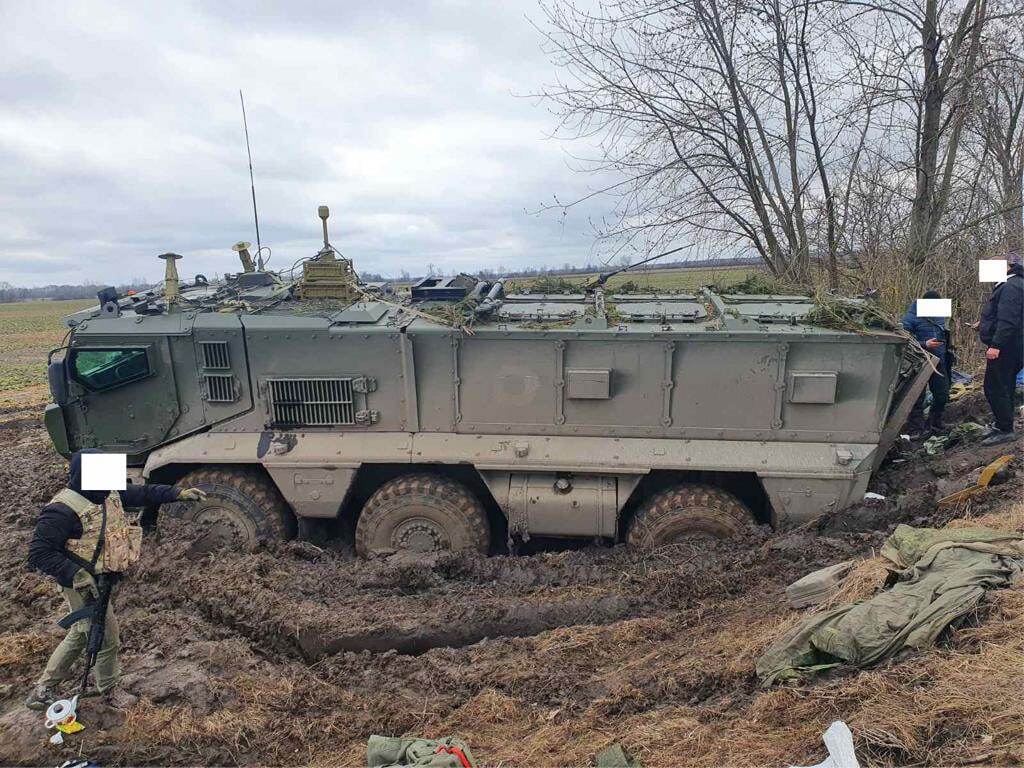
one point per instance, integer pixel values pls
(555, 415)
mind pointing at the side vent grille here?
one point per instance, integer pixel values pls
(311, 402)
(220, 388)
(215, 355)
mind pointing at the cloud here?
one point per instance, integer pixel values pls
(121, 137)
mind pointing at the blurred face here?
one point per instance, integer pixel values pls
(104, 471)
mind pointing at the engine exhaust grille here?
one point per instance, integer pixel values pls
(215, 355)
(311, 402)
(220, 388)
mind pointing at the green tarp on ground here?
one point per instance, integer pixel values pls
(943, 575)
(616, 756)
(395, 752)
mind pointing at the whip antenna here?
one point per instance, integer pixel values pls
(252, 184)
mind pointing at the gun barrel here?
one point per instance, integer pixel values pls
(98, 623)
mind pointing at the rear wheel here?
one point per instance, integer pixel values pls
(422, 513)
(683, 511)
(242, 508)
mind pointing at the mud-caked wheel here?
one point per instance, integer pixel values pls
(422, 513)
(242, 509)
(685, 511)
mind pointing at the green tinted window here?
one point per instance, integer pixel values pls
(106, 368)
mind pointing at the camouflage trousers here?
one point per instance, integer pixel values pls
(107, 670)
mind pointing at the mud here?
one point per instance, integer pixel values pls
(518, 619)
(295, 654)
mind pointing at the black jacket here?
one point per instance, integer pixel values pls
(1002, 319)
(57, 523)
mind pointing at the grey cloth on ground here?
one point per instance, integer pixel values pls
(944, 574)
(818, 586)
(616, 756)
(395, 752)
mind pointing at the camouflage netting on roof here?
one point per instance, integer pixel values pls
(314, 307)
(758, 284)
(855, 316)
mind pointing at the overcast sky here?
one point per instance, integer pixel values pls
(121, 137)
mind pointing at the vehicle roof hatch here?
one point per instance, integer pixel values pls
(361, 312)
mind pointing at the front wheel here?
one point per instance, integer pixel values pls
(242, 508)
(683, 511)
(422, 513)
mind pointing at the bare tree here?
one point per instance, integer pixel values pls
(944, 80)
(808, 131)
(925, 87)
(725, 118)
(1001, 124)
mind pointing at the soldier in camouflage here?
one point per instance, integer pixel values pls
(78, 535)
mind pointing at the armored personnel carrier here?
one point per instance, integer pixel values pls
(461, 416)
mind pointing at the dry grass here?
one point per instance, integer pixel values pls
(955, 704)
(863, 580)
(22, 648)
(1010, 519)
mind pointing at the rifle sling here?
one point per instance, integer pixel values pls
(101, 539)
(81, 562)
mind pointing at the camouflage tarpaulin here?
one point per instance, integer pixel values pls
(945, 574)
(394, 752)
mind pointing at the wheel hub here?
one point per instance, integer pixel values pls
(224, 526)
(420, 535)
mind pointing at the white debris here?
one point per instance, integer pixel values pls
(839, 743)
(872, 496)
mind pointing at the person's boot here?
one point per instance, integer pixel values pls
(998, 437)
(41, 697)
(118, 698)
(935, 424)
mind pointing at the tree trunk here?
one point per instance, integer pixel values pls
(1013, 211)
(918, 244)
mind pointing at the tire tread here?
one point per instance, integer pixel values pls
(429, 485)
(269, 509)
(731, 512)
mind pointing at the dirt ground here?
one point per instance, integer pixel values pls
(295, 655)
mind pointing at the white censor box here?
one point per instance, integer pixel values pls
(104, 471)
(991, 270)
(934, 307)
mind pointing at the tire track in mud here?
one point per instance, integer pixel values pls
(310, 611)
(308, 606)
(518, 619)
(311, 632)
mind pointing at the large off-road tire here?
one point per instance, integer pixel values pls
(242, 509)
(422, 513)
(683, 511)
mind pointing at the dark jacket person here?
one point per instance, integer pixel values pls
(68, 537)
(1002, 331)
(931, 334)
